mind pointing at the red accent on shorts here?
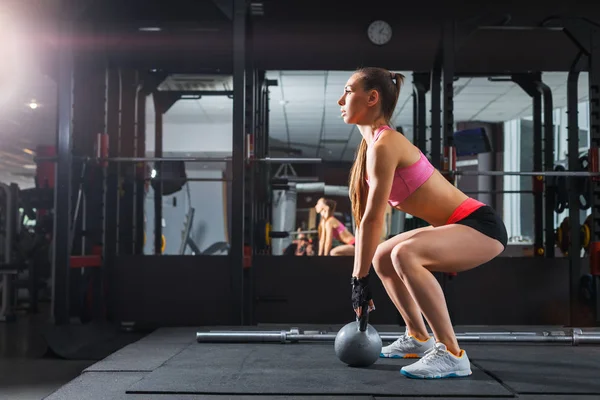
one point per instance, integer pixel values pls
(464, 210)
(352, 241)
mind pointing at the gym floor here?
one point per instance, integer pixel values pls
(26, 370)
(169, 364)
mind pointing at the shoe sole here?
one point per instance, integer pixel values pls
(457, 374)
(408, 355)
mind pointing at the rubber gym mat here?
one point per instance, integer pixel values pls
(549, 369)
(138, 357)
(98, 386)
(557, 397)
(296, 369)
(519, 397)
(171, 335)
(113, 386)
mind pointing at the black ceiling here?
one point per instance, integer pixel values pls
(196, 35)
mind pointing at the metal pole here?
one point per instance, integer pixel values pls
(575, 337)
(594, 113)
(436, 109)
(62, 190)
(573, 196)
(6, 306)
(238, 164)
(548, 140)
(299, 160)
(528, 82)
(321, 187)
(158, 151)
(283, 160)
(420, 88)
(528, 173)
(538, 197)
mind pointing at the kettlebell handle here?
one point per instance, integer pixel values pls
(363, 321)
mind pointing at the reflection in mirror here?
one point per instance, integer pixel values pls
(195, 217)
(195, 202)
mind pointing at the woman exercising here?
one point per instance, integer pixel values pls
(330, 227)
(463, 233)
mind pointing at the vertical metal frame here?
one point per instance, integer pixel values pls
(529, 83)
(421, 82)
(448, 83)
(573, 199)
(548, 155)
(62, 190)
(158, 152)
(436, 110)
(585, 34)
(594, 99)
(236, 254)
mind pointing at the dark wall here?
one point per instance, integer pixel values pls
(304, 35)
(172, 290)
(196, 291)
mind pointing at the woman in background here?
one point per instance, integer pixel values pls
(329, 228)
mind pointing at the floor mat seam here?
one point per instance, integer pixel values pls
(496, 378)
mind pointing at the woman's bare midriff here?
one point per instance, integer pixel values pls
(435, 201)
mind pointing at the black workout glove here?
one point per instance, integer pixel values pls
(361, 295)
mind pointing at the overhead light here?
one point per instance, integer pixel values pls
(153, 174)
(150, 29)
(33, 104)
(28, 151)
(30, 166)
(257, 8)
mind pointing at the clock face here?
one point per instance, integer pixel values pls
(379, 32)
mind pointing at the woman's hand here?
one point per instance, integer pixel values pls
(361, 295)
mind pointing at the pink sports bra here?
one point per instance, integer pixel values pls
(407, 179)
(340, 228)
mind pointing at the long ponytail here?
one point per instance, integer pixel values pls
(382, 81)
(358, 185)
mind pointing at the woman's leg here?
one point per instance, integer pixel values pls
(395, 288)
(342, 250)
(448, 248)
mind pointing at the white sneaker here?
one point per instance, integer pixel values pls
(439, 363)
(407, 346)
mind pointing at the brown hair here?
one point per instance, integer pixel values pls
(332, 204)
(382, 81)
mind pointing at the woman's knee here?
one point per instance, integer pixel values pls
(336, 251)
(403, 256)
(382, 263)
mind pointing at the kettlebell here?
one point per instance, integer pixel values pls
(358, 344)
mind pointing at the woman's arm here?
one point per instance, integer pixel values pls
(381, 164)
(321, 240)
(328, 237)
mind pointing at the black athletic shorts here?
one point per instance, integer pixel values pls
(488, 222)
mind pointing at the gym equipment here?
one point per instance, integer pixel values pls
(583, 186)
(283, 217)
(563, 235)
(9, 211)
(321, 187)
(526, 173)
(358, 344)
(574, 336)
(268, 160)
(561, 193)
(186, 240)
(173, 177)
(471, 142)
